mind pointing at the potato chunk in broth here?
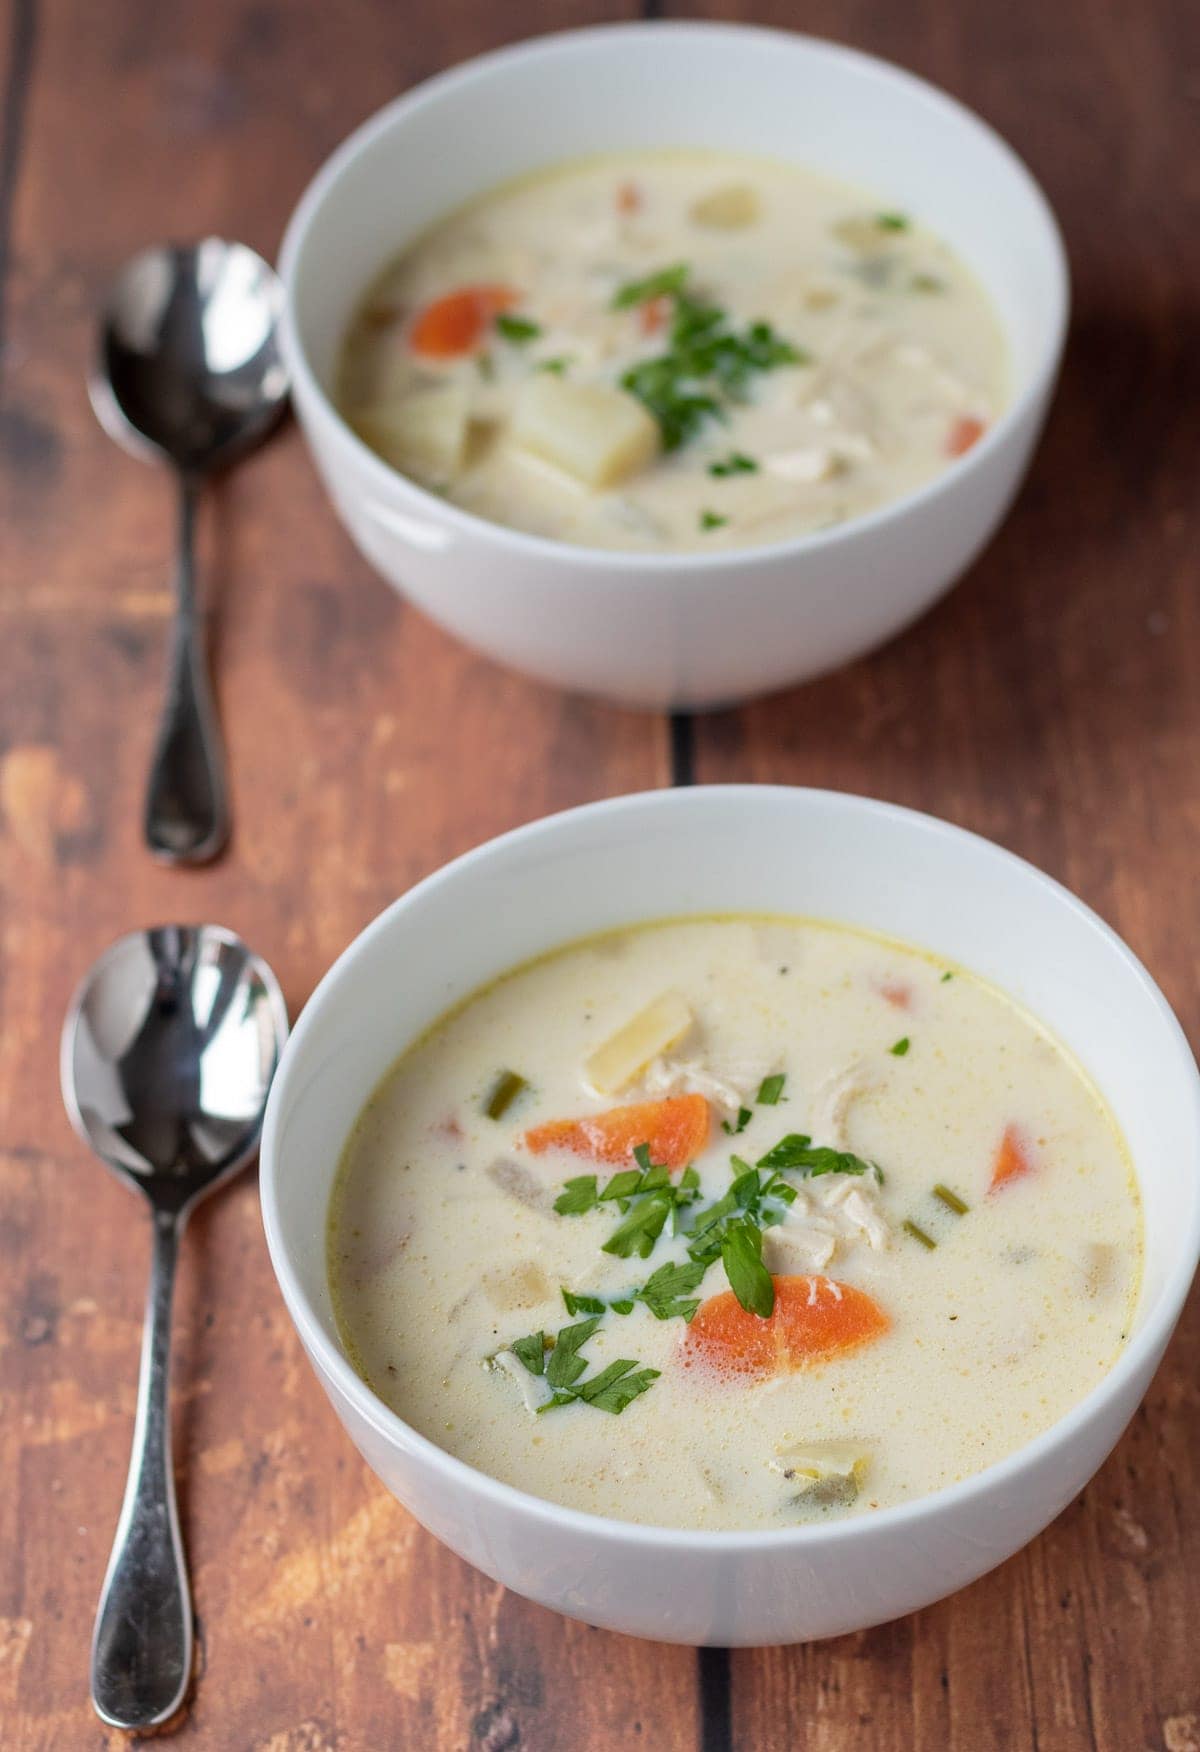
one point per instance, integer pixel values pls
(841, 1226)
(674, 351)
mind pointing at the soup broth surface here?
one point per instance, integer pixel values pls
(957, 1264)
(674, 351)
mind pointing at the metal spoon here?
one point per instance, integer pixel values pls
(188, 371)
(168, 1051)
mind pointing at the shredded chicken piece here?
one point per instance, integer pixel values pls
(668, 1076)
(861, 1210)
(532, 1391)
(799, 1247)
(832, 1103)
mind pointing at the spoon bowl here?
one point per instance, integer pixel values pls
(168, 1052)
(189, 367)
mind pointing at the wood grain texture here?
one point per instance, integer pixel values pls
(1051, 702)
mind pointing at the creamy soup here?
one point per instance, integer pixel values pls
(674, 351)
(732, 1223)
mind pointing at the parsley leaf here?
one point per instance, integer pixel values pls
(657, 285)
(749, 1279)
(642, 1227)
(613, 1388)
(518, 329)
(577, 1196)
(580, 1304)
(531, 1352)
(900, 1048)
(712, 520)
(556, 366)
(892, 221)
(798, 1153)
(667, 1292)
(566, 1365)
(734, 463)
(770, 1089)
(743, 1120)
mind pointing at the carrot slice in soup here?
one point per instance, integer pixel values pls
(1012, 1160)
(675, 1129)
(455, 324)
(963, 433)
(898, 995)
(814, 1318)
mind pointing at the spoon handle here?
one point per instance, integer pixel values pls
(187, 816)
(142, 1646)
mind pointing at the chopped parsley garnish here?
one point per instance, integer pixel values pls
(518, 329)
(707, 362)
(502, 1094)
(892, 221)
(734, 463)
(531, 1352)
(901, 1047)
(749, 1279)
(770, 1089)
(668, 1291)
(557, 365)
(927, 283)
(565, 1370)
(580, 1304)
(658, 285)
(712, 520)
(744, 1116)
(947, 975)
(646, 1195)
(798, 1154)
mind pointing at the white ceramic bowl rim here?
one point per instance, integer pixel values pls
(615, 562)
(1155, 1324)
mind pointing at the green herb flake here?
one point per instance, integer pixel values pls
(951, 1200)
(797, 1153)
(615, 1387)
(749, 1279)
(901, 1047)
(580, 1304)
(744, 1116)
(946, 976)
(926, 283)
(623, 1305)
(577, 1196)
(556, 366)
(712, 520)
(918, 1234)
(893, 221)
(668, 1291)
(770, 1089)
(566, 1365)
(531, 1352)
(517, 329)
(502, 1094)
(664, 283)
(734, 463)
(641, 1228)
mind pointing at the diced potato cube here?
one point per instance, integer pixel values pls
(627, 1052)
(728, 209)
(821, 1460)
(424, 432)
(597, 434)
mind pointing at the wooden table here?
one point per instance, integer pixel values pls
(1053, 702)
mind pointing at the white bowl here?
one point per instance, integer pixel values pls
(720, 849)
(673, 630)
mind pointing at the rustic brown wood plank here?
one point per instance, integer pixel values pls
(1051, 703)
(366, 748)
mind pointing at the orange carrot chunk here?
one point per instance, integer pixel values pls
(898, 995)
(1012, 1160)
(629, 197)
(676, 1131)
(965, 431)
(814, 1318)
(457, 323)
